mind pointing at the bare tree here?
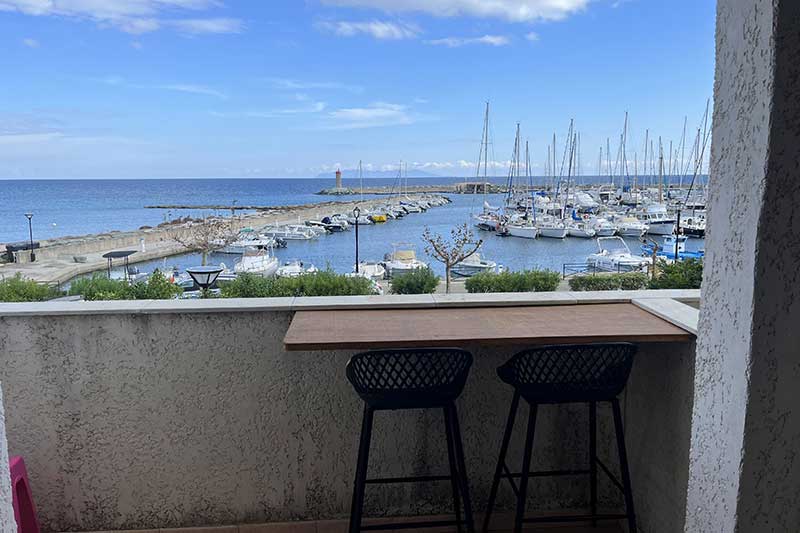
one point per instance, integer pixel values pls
(206, 235)
(462, 244)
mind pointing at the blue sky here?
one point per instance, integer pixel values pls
(241, 88)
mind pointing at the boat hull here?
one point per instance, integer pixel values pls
(661, 228)
(523, 232)
(553, 233)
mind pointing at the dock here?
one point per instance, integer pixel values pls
(55, 258)
(454, 188)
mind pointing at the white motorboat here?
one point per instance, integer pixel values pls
(472, 265)
(631, 227)
(604, 228)
(292, 232)
(524, 229)
(614, 255)
(552, 228)
(239, 246)
(581, 229)
(402, 260)
(657, 219)
(371, 269)
(255, 261)
(292, 269)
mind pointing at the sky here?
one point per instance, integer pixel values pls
(284, 88)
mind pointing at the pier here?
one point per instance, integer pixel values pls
(455, 188)
(56, 261)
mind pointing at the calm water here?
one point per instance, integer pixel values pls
(76, 207)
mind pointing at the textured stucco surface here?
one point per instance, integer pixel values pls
(7, 524)
(744, 472)
(145, 421)
(769, 493)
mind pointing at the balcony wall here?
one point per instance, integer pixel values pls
(167, 414)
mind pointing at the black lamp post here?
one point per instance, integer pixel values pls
(204, 276)
(356, 213)
(29, 216)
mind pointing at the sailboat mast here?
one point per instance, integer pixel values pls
(646, 136)
(361, 180)
(660, 172)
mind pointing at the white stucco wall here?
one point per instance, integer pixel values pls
(139, 419)
(7, 523)
(744, 473)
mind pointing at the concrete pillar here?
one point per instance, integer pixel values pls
(7, 523)
(744, 466)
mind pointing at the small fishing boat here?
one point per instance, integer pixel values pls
(694, 226)
(402, 260)
(292, 269)
(581, 230)
(472, 265)
(552, 228)
(631, 227)
(377, 218)
(667, 251)
(658, 221)
(603, 227)
(255, 261)
(371, 269)
(614, 255)
(292, 232)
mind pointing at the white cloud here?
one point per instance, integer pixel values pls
(511, 10)
(192, 89)
(311, 107)
(30, 43)
(203, 90)
(211, 25)
(136, 45)
(532, 36)
(375, 28)
(297, 85)
(455, 42)
(131, 16)
(374, 115)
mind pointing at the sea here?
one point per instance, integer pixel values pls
(86, 206)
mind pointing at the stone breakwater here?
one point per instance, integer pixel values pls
(55, 259)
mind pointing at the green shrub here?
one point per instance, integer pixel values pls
(325, 283)
(686, 274)
(99, 287)
(19, 289)
(524, 281)
(628, 281)
(417, 281)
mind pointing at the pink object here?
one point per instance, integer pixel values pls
(24, 510)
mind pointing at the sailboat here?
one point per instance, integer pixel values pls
(489, 218)
(523, 226)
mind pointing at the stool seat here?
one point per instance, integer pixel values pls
(409, 378)
(569, 373)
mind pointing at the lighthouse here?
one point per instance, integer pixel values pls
(338, 179)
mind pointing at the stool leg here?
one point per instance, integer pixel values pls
(512, 415)
(454, 475)
(526, 469)
(593, 459)
(361, 471)
(623, 465)
(462, 467)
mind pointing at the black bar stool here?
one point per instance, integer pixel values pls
(411, 379)
(588, 373)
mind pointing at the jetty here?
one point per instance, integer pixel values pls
(454, 188)
(62, 259)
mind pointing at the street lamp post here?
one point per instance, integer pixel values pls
(356, 213)
(204, 277)
(29, 216)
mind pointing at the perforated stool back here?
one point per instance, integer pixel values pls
(570, 373)
(409, 378)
